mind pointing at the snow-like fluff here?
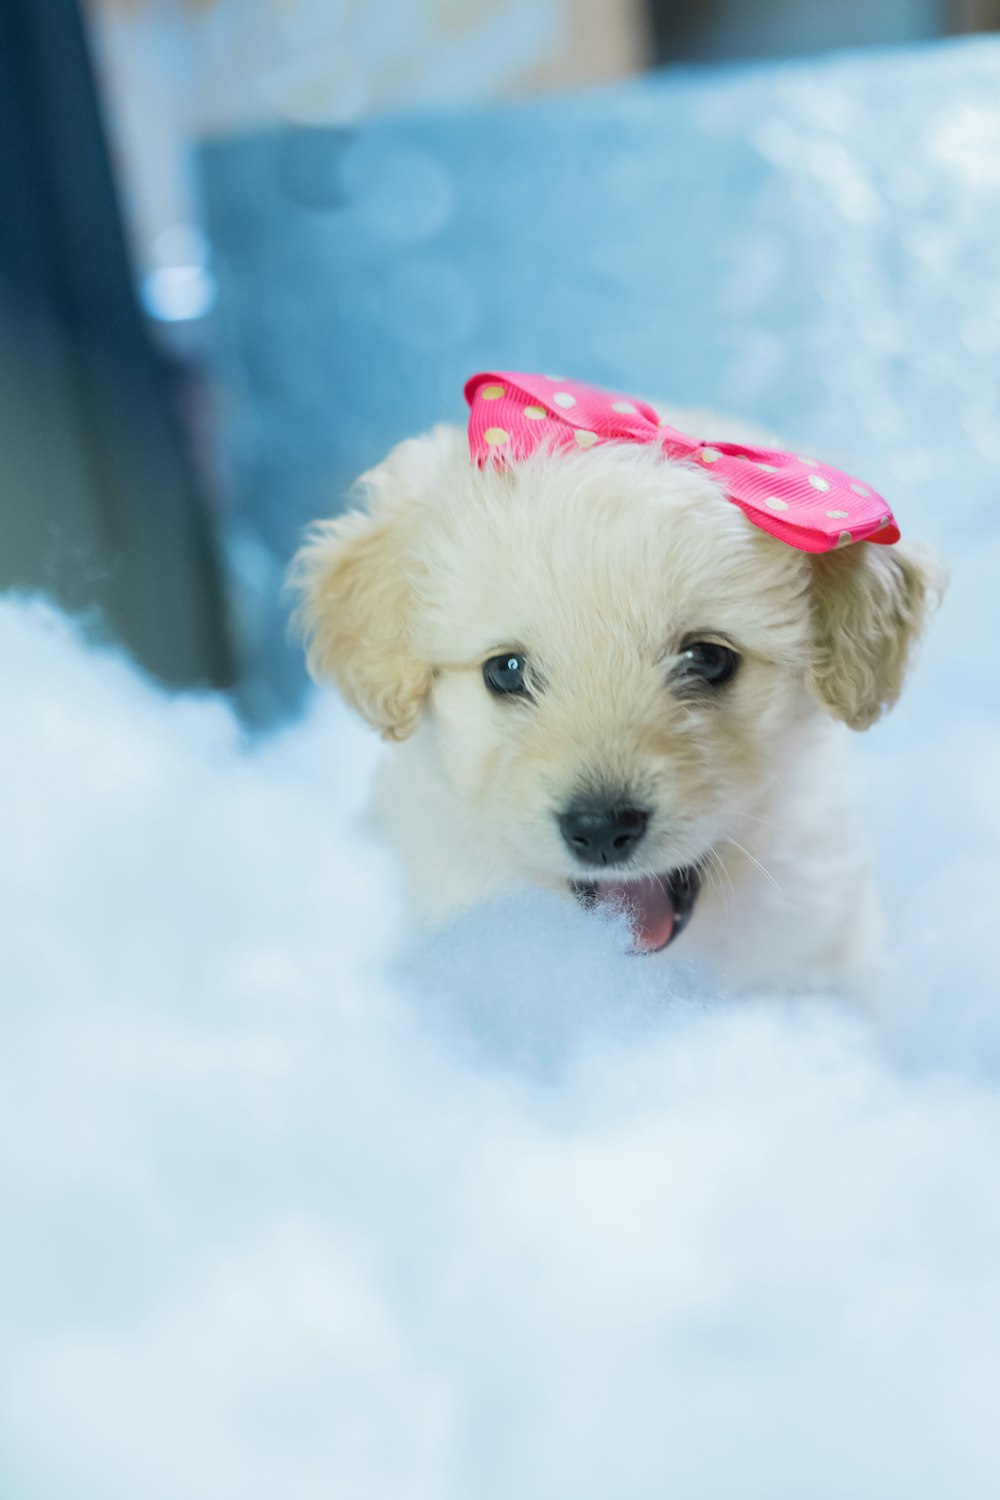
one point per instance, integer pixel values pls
(295, 1206)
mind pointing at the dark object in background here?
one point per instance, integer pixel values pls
(974, 15)
(98, 500)
(722, 30)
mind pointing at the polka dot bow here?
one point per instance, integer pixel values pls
(802, 502)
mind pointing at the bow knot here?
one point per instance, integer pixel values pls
(804, 503)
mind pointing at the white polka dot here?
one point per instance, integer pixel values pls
(768, 468)
(585, 439)
(818, 482)
(860, 489)
(534, 413)
(495, 435)
(837, 515)
(844, 539)
(811, 463)
(491, 392)
(623, 406)
(776, 503)
(555, 379)
(564, 399)
(710, 455)
(885, 521)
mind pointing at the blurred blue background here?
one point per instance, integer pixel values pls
(816, 246)
(332, 213)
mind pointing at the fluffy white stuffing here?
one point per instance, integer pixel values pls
(292, 1207)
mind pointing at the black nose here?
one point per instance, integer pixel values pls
(600, 833)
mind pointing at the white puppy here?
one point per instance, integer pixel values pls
(597, 676)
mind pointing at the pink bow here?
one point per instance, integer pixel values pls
(800, 501)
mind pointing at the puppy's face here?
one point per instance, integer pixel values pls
(609, 656)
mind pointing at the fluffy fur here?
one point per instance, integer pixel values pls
(599, 565)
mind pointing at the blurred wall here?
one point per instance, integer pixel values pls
(176, 71)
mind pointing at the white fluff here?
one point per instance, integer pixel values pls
(291, 1208)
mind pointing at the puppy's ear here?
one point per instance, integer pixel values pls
(355, 578)
(869, 604)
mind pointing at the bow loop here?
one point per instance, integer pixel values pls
(806, 504)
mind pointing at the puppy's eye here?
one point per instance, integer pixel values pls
(708, 662)
(504, 675)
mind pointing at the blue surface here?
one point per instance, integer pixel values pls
(813, 245)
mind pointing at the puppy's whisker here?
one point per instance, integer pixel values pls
(754, 861)
(712, 866)
(765, 822)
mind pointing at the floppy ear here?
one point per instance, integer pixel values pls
(355, 580)
(869, 604)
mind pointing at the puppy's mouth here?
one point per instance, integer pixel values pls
(658, 907)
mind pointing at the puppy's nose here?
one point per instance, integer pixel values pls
(599, 833)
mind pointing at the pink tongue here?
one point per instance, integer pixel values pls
(648, 907)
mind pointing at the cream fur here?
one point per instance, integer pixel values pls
(598, 565)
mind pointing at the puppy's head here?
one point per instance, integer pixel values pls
(610, 657)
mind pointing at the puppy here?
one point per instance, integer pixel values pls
(597, 676)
